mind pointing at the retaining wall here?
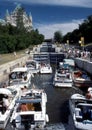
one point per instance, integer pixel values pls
(84, 64)
(6, 68)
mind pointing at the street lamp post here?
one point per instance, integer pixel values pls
(82, 42)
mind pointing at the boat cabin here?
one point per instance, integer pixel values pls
(29, 103)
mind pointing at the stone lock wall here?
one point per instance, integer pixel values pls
(6, 68)
(84, 64)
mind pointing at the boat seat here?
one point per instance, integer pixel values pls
(78, 114)
(30, 107)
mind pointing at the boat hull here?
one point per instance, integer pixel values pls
(57, 84)
(81, 79)
(79, 83)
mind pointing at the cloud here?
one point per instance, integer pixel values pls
(79, 3)
(49, 30)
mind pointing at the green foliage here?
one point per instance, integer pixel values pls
(15, 38)
(18, 38)
(58, 36)
(85, 30)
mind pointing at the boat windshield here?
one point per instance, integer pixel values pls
(30, 64)
(17, 75)
(86, 111)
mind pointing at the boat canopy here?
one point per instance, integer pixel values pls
(28, 101)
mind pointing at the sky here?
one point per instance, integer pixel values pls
(49, 16)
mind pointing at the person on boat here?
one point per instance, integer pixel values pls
(23, 107)
(24, 89)
(89, 95)
(4, 85)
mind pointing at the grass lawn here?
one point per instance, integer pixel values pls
(4, 58)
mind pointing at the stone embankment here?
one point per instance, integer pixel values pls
(84, 64)
(6, 68)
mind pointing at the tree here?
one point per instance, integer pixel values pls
(17, 38)
(85, 30)
(58, 36)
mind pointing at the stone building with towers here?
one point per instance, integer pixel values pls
(17, 16)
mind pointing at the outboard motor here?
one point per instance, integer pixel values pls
(13, 124)
(27, 120)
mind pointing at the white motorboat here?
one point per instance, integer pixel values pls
(33, 66)
(81, 111)
(45, 68)
(20, 77)
(7, 101)
(63, 77)
(81, 79)
(30, 110)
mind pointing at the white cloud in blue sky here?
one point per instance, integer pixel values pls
(79, 3)
(48, 30)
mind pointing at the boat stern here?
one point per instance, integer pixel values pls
(30, 121)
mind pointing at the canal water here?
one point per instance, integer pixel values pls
(57, 103)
